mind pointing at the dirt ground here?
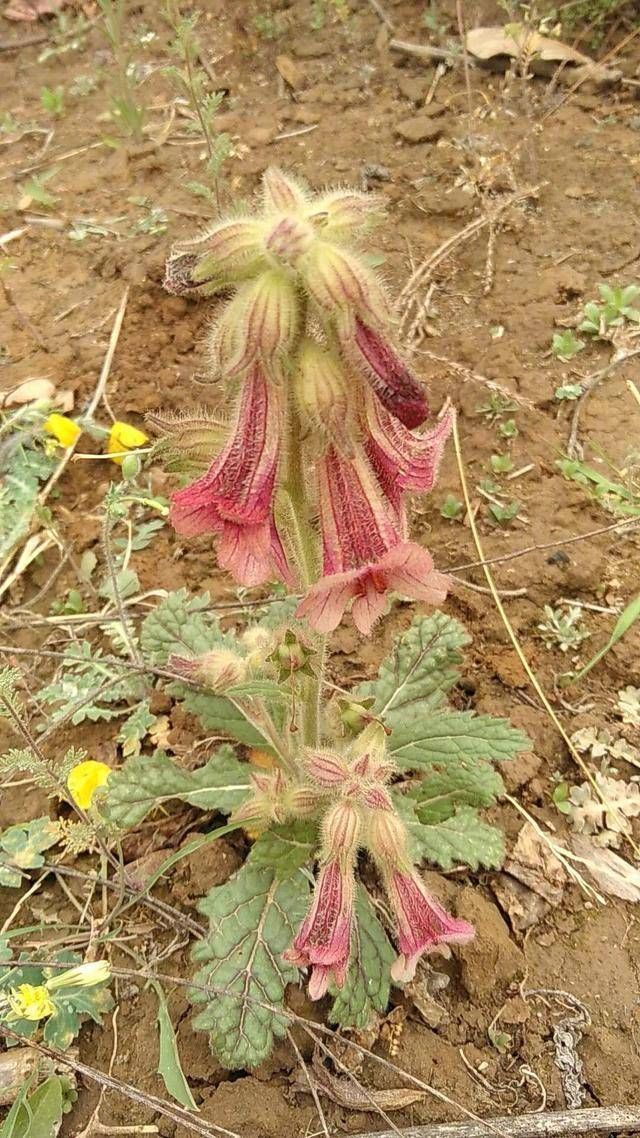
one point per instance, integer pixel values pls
(574, 157)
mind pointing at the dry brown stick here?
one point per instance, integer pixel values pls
(16, 44)
(623, 524)
(560, 1123)
(177, 1114)
(573, 449)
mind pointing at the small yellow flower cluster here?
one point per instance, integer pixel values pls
(122, 439)
(84, 779)
(33, 1001)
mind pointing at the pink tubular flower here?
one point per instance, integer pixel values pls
(401, 459)
(390, 377)
(365, 554)
(421, 922)
(324, 940)
(234, 499)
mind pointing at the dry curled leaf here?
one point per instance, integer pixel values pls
(349, 1094)
(515, 40)
(533, 863)
(609, 814)
(30, 391)
(31, 10)
(611, 872)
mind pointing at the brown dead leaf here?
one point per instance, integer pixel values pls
(28, 392)
(349, 1094)
(532, 862)
(159, 732)
(290, 71)
(514, 40)
(611, 872)
(523, 907)
(30, 10)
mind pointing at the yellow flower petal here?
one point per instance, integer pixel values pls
(84, 779)
(63, 429)
(123, 436)
(30, 1001)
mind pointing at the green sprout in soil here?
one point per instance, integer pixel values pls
(452, 508)
(562, 628)
(501, 463)
(568, 392)
(126, 106)
(496, 406)
(52, 99)
(617, 306)
(508, 430)
(566, 345)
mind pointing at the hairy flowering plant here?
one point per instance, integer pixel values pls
(301, 473)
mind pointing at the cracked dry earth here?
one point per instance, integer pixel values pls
(494, 1039)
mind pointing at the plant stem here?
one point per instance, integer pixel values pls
(304, 541)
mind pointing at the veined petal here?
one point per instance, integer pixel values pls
(390, 377)
(409, 570)
(357, 525)
(225, 253)
(265, 313)
(402, 459)
(238, 487)
(324, 938)
(283, 193)
(340, 280)
(422, 923)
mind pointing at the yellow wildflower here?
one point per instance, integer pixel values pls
(84, 779)
(63, 429)
(30, 1001)
(81, 976)
(124, 437)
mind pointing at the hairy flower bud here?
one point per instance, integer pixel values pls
(231, 250)
(266, 804)
(187, 441)
(346, 211)
(322, 391)
(281, 192)
(341, 828)
(289, 238)
(217, 670)
(325, 768)
(266, 314)
(354, 716)
(340, 281)
(386, 838)
(302, 801)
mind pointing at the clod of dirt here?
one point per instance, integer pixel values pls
(491, 961)
(534, 864)
(248, 1106)
(290, 71)
(414, 89)
(213, 866)
(311, 47)
(421, 128)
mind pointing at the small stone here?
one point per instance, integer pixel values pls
(290, 71)
(445, 204)
(261, 135)
(311, 47)
(421, 128)
(413, 89)
(308, 116)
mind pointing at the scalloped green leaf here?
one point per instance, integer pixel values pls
(285, 848)
(253, 919)
(368, 983)
(22, 846)
(461, 782)
(148, 780)
(422, 667)
(179, 625)
(462, 839)
(421, 741)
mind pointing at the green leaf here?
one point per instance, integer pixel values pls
(624, 622)
(421, 669)
(463, 839)
(21, 847)
(136, 728)
(285, 848)
(179, 625)
(423, 740)
(463, 782)
(144, 782)
(368, 982)
(220, 715)
(82, 674)
(39, 1114)
(169, 1067)
(253, 918)
(62, 1027)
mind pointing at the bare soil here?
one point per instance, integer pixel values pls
(490, 322)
